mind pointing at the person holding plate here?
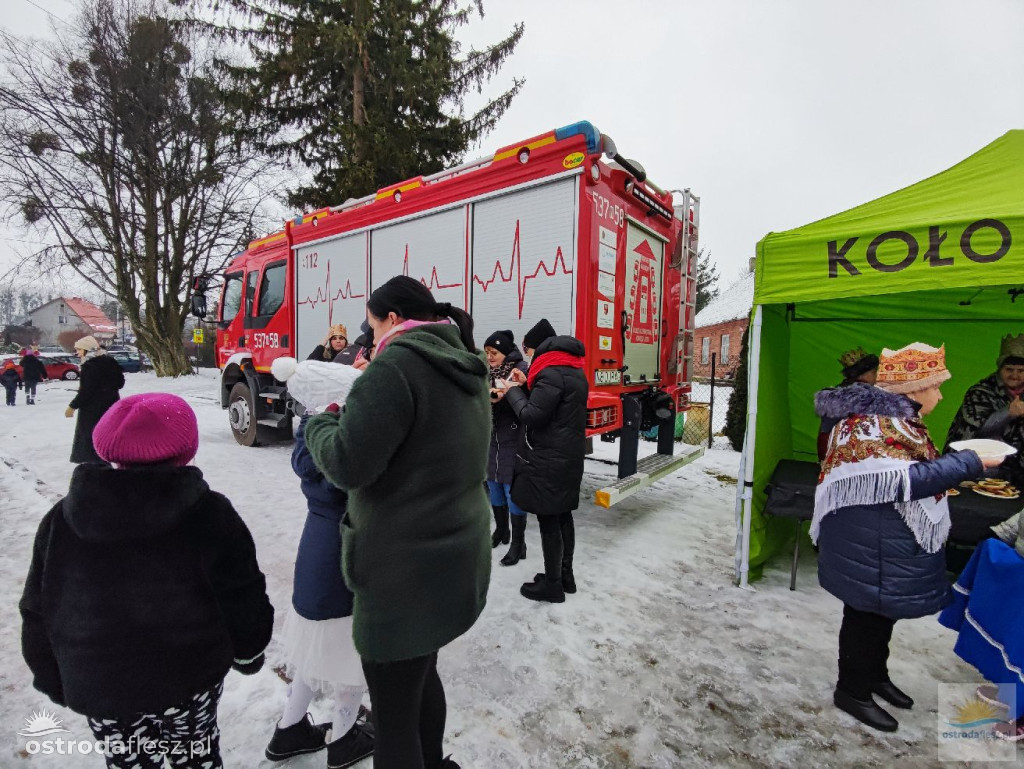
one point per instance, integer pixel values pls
(993, 408)
(881, 518)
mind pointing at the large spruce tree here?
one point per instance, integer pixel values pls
(365, 93)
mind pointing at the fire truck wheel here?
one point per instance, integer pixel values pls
(242, 415)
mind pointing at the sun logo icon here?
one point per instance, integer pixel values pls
(42, 724)
(974, 713)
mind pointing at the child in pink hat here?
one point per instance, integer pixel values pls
(144, 590)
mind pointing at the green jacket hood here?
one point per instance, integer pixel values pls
(440, 344)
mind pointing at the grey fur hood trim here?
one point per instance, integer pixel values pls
(862, 398)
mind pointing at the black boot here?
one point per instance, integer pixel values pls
(550, 588)
(568, 548)
(865, 711)
(303, 737)
(500, 535)
(892, 694)
(517, 550)
(350, 749)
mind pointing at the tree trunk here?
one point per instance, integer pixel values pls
(170, 358)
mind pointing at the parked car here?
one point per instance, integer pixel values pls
(132, 361)
(57, 366)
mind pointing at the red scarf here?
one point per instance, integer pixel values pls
(552, 359)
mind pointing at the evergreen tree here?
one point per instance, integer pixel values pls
(365, 93)
(707, 279)
(736, 414)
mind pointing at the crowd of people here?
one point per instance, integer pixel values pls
(393, 562)
(881, 519)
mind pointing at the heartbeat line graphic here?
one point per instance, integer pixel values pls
(435, 282)
(326, 294)
(515, 271)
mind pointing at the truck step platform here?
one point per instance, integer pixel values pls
(648, 470)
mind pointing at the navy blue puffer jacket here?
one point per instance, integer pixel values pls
(868, 557)
(319, 590)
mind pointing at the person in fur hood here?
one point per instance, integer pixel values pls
(144, 589)
(881, 518)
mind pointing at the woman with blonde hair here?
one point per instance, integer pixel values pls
(881, 518)
(100, 383)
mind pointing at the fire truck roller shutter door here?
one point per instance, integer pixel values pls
(524, 258)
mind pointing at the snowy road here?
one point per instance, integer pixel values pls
(659, 661)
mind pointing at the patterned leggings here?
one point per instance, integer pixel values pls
(186, 735)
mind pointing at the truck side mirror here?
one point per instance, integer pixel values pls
(199, 305)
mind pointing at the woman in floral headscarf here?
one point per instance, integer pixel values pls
(881, 518)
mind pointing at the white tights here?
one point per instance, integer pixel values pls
(346, 706)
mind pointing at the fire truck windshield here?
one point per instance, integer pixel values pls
(232, 297)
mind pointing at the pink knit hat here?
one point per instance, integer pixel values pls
(147, 429)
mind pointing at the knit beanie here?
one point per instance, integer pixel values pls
(502, 341)
(147, 429)
(338, 329)
(543, 330)
(314, 384)
(87, 343)
(915, 367)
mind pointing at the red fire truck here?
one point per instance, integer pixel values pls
(558, 226)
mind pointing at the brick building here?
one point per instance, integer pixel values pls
(719, 329)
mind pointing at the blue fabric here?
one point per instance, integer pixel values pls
(992, 638)
(501, 494)
(868, 557)
(319, 590)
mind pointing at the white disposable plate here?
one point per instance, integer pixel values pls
(985, 447)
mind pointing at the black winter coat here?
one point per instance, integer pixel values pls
(9, 379)
(319, 590)
(553, 415)
(501, 458)
(143, 588)
(32, 369)
(101, 379)
(346, 355)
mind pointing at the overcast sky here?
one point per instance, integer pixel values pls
(775, 112)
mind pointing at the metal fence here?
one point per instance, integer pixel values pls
(709, 402)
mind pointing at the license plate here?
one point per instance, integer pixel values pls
(607, 376)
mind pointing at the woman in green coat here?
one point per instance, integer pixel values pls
(410, 448)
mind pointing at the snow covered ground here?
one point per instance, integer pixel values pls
(659, 661)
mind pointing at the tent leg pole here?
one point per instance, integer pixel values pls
(796, 557)
(749, 443)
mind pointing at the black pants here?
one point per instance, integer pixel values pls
(409, 712)
(30, 391)
(558, 541)
(863, 651)
(12, 393)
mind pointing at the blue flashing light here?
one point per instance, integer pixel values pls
(584, 128)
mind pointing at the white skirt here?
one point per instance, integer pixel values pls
(321, 652)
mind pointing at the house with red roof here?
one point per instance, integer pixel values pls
(64, 314)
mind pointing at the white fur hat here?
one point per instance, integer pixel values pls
(315, 384)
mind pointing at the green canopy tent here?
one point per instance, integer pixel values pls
(941, 262)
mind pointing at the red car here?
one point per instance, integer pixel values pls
(57, 366)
